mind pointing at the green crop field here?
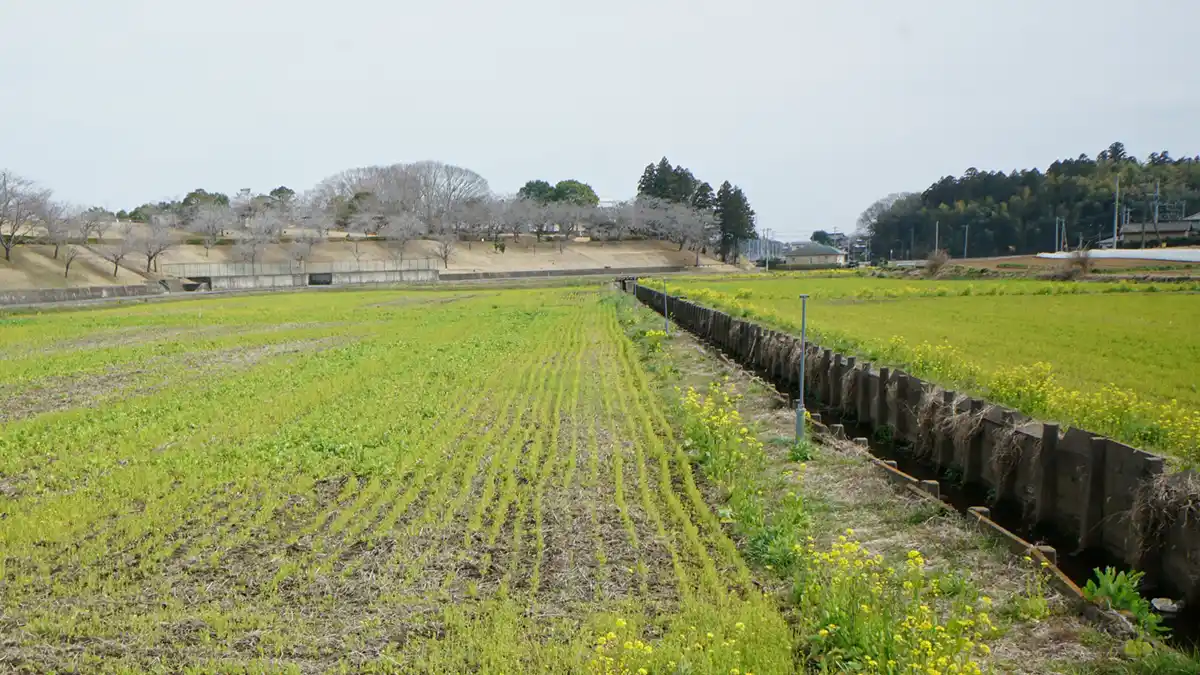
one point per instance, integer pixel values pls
(480, 480)
(424, 482)
(1120, 359)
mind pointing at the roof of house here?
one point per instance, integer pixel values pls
(1164, 227)
(812, 248)
(1195, 217)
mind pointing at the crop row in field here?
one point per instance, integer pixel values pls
(1118, 363)
(442, 484)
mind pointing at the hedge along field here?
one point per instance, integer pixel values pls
(1117, 359)
(374, 481)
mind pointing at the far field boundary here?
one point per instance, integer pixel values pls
(448, 282)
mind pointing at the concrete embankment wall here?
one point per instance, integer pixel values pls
(258, 281)
(1091, 491)
(47, 295)
(252, 281)
(521, 274)
(386, 277)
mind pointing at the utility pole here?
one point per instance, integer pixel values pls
(1056, 234)
(1157, 236)
(1116, 211)
(966, 239)
(1143, 229)
(937, 226)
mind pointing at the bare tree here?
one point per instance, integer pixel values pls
(243, 204)
(54, 219)
(157, 237)
(442, 187)
(870, 215)
(370, 217)
(314, 218)
(444, 248)
(210, 220)
(300, 249)
(259, 231)
(94, 222)
(20, 201)
(356, 248)
(517, 216)
(677, 222)
(463, 218)
(541, 217)
(75, 230)
(429, 190)
(70, 252)
(360, 225)
(491, 214)
(117, 251)
(566, 217)
(615, 221)
(400, 230)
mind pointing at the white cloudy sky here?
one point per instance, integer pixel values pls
(814, 108)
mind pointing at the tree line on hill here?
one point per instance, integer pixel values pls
(394, 204)
(684, 209)
(990, 213)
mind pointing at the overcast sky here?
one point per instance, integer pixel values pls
(814, 108)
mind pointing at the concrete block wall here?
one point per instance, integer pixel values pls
(1082, 485)
(45, 295)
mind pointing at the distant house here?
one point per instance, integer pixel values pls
(1166, 231)
(812, 254)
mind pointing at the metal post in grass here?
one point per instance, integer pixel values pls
(800, 427)
(666, 316)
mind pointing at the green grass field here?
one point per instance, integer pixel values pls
(425, 482)
(1115, 358)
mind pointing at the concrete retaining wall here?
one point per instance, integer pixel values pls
(212, 270)
(385, 277)
(520, 274)
(252, 281)
(45, 295)
(1082, 485)
(258, 281)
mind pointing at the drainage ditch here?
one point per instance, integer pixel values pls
(1079, 566)
(1074, 492)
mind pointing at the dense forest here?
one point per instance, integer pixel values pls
(986, 213)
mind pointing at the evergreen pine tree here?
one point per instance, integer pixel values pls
(735, 219)
(646, 182)
(664, 175)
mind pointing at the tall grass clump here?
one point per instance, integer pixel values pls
(936, 262)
